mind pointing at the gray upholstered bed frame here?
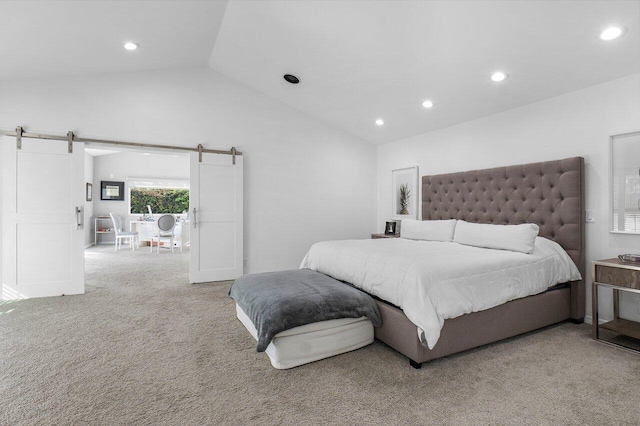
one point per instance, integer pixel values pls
(550, 194)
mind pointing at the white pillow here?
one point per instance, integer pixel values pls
(430, 230)
(519, 238)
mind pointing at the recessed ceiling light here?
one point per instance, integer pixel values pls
(499, 76)
(131, 46)
(146, 153)
(291, 79)
(379, 122)
(613, 33)
(427, 104)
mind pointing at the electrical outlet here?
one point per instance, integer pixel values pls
(639, 306)
(244, 262)
(590, 217)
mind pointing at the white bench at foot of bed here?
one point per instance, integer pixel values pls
(312, 342)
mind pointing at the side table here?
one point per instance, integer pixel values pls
(619, 276)
(376, 236)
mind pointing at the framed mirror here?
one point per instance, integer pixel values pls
(625, 183)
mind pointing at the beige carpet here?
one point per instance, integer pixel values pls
(145, 347)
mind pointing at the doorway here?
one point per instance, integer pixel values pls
(216, 225)
(203, 191)
(138, 186)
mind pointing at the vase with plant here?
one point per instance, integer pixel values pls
(405, 195)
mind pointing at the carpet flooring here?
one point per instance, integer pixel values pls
(143, 346)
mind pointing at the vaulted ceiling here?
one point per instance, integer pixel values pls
(357, 61)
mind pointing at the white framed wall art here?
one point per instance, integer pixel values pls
(405, 193)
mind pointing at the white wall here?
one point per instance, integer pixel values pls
(304, 180)
(88, 205)
(1, 215)
(576, 124)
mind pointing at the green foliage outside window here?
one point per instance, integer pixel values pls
(161, 200)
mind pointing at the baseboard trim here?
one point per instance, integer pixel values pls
(588, 319)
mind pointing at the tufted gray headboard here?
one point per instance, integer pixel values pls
(549, 194)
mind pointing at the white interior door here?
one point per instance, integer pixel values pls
(215, 218)
(42, 208)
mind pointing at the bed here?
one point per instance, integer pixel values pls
(549, 194)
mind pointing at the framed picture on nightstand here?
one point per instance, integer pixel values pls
(404, 190)
(390, 228)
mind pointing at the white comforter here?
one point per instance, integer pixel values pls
(432, 281)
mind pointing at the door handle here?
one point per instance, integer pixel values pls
(78, 217)
(195, 217)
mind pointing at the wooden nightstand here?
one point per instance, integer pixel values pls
(619, 276)
(376, 236)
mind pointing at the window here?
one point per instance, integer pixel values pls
(625, 183)
(161, 200)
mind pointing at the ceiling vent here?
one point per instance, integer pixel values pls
(291, 79)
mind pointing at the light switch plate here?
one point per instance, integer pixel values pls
(590, 217)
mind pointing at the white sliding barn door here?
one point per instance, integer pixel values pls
(42, 208)
(215, 218)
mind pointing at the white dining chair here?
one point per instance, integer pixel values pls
(166, 226)
(121, 234)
